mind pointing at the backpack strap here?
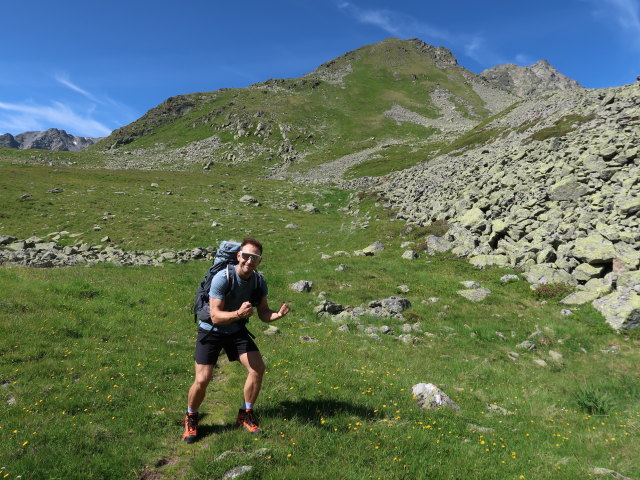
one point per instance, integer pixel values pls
(231, 276)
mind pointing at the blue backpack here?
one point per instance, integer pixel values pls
(226, 258)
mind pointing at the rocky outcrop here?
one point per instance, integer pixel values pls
(555, 194)
(41, 253)
(52, 139)
(536, 79)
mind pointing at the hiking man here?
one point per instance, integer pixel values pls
(236, 292)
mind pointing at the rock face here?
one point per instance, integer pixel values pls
(538, 78)
(52, 139)
(556, 192)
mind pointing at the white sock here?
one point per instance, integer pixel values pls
(248, 406)
(189, 410)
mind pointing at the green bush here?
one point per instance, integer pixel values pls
(552, 291)
(594, 401)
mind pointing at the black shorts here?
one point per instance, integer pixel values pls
(209, 344)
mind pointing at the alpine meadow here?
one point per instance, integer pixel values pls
(468, 246)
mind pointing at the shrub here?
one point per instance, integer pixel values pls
(549, 291)
(593, 400)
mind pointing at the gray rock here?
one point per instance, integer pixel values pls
(301, 286)
(272, 330)
(509, 278)
(410, 255)
(526, 345)
(621, 309)
(547, 273)
(373, 249)
(237, 472)
(437, 244)
(482, 261)
(249, 199)
(594, 249)
(498, 410)
(392, 304)
(307, 339)
(608, 473)
(629, 281)
(475, 294)
(585, 272)
(430, 397)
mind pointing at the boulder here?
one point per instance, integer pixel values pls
(594, 249)
(437, 244)
(585, 272)
(567, 189)
(629, 281)
(249, 199)
(392, 305)
(410, 255)
(373, 249)
(475, 294)
(473, 219)
(482, 261)
(548, 274)
(301, 286)
(621, 309)
(430, 397)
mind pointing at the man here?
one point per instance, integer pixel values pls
(232, 302)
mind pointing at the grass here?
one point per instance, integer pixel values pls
(95, 362)
(561, 127)
(392, 159)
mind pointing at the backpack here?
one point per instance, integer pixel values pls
(226, 257)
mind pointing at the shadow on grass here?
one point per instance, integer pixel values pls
(208, 430)
(313, 410)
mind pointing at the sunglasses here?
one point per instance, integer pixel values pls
(251, 256)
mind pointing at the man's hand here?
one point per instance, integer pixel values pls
(284, 309)
(245, 310)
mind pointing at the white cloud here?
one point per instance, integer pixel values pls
(395, 23)
(64, 80)
(627, 14)
(22, 117)
(623, 13)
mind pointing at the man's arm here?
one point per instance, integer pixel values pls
(220, 317)
(267, 315)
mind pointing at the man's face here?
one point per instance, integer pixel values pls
(248, 260)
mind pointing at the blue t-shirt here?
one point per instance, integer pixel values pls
(241, 292)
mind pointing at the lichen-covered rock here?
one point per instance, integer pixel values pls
(594, 249)
(621, 309)
(482, 261)
(437, 244)
(548, 274)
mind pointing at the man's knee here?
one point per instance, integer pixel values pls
(204, 375)
(254, 363)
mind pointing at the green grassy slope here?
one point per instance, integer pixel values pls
(95, 362)
(316, 118)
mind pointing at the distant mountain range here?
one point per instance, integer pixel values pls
(52, 139)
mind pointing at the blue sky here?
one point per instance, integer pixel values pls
(89, 67)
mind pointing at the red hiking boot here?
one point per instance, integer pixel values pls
(247, 420)
(190, 434)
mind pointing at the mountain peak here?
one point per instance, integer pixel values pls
(535, 79)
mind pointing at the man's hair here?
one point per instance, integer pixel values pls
(251, 241)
